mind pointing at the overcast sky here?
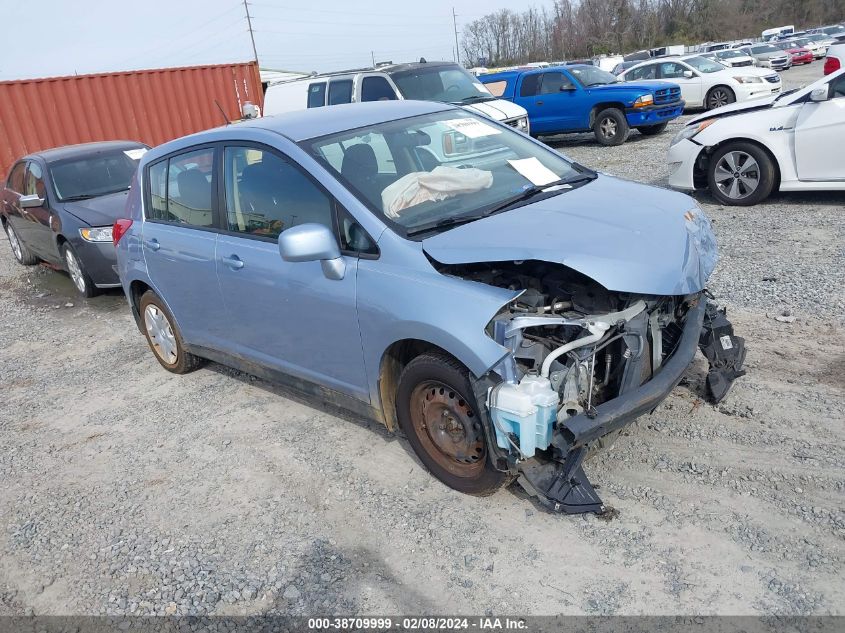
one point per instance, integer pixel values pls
(42, 38)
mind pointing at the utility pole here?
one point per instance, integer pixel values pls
(455, 24)
(251, 36)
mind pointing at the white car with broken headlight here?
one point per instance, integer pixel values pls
(743, 152)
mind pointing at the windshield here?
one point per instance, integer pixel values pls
(703, 65)
(449, 84)
(764, 48)
(593, 76)
(95, 175)
(439, 168)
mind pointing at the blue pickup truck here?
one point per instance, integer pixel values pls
(580, 98)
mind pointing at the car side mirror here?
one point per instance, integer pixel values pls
(30, 201)
(819, 94)
(567, 88)
(310, 243)
(688, 74)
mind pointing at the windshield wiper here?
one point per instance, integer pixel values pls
(475, 98)
(83, 196)
(524, 195)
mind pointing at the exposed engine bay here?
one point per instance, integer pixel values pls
(584, 362)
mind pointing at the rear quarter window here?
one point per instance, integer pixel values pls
(497, 88)
(530, 85)
(317, 95)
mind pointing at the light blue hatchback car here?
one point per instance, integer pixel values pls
(507, 308)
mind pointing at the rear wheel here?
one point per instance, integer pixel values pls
(740, 174)
(719, 96)
(163, 336)
(77, 273)
(19, 249)
(611, 127)
(437, 413)
(651, 130)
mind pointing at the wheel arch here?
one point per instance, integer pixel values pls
(394, 359)
(604, 105)
(703, 161)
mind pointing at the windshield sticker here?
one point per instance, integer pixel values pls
(472, 128)
(135, 154)
(535, 171)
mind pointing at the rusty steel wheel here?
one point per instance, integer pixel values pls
(437, 412)
(448, 428)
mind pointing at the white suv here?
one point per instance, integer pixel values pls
(705, 82)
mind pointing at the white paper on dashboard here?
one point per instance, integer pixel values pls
(472, 128)
(534, 170)
(135, 154)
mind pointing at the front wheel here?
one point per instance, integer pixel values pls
(740, 174)
(651, 130)
(437, 413)
(611, 127)
(718, 97)
(77, 273)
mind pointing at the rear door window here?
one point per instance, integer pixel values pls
(317, 95)
(15, 182)
(181, 189)
(376, 88)
(340, 91)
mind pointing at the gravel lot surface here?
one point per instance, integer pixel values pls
(126, 489)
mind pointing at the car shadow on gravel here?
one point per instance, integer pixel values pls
(791, 198)
(586, 138)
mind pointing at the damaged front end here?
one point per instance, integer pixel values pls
(583, 363)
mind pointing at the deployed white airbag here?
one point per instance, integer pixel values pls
(437, 184)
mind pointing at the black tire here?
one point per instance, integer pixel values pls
(611, 127)
(76, 269)
(716, 174)
(21, 252)
(184, 362)
(452, 401)
(652, 130)
(719, 96)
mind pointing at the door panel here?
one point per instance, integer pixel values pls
(559, 107)
(289, 316)
(819, 138)
(39, 219)
(691, 88)
(285, 315)
(179, 243)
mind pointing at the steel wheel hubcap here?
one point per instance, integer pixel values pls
(160, 334)
(737, 175)
(719, 99)
(608, 127)
(13, 241)
(448, 428)
(75, 271)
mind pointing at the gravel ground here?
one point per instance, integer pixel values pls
(130, 490)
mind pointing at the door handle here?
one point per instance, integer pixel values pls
(153, 244)
(234, 262)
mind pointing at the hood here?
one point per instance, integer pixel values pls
(736, 108)
(498, 109)
(100, 211)
(626, 236)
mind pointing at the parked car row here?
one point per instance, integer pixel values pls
(417, 262)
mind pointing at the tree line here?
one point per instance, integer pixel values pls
(572, 29)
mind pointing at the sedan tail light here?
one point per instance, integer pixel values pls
(831, 65)
(119, 230)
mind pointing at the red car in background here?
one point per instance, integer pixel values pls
(799, 55)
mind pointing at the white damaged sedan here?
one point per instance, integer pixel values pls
(742, 152)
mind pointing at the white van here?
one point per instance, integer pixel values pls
(424, 81)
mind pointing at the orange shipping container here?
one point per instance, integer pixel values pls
(152, 106)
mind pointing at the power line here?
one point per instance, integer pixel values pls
(251, 36)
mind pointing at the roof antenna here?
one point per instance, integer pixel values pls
(222, 113)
